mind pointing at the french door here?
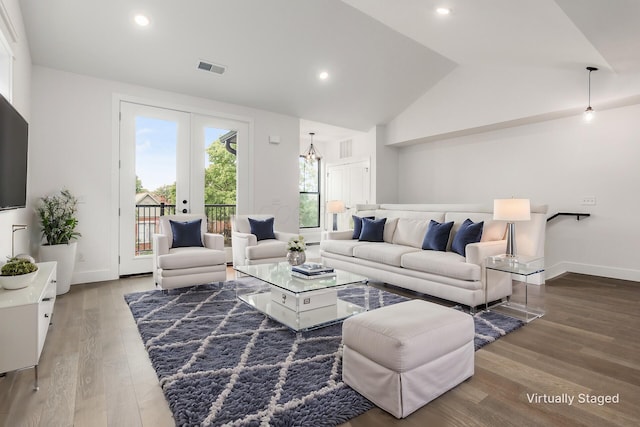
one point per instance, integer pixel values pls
(164, 155)
(154, 175)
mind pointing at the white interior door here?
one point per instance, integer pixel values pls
(155, 170)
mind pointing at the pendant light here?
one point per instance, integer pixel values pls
(312, 153)
(588, 113)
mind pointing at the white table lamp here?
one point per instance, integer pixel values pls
(335, 207)
(511, 210)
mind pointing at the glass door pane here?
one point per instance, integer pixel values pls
(154, 175)
(218, 143)
(155, 164)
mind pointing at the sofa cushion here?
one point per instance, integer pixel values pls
(469, 232)
(492, 229)
(389, 229)
(372, 230)
(448, 264)
(410, 232)
(386, 253)
(191, 257)
(342, 247)
(186, 233)
(270, 248)
(357, 225)
(437, 236)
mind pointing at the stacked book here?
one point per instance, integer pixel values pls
(312, 271)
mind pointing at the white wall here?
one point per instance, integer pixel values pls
(557, 163)
(22, 102)
(73, 146)
(385, 169)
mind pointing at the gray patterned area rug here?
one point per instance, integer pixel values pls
(220, 362)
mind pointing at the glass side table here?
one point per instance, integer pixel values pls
(527, 301)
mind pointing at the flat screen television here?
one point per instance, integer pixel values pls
(14, 139)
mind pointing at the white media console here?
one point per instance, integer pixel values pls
(25, 315)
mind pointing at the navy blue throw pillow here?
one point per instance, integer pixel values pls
(437, 236)
(357, 225)
(372, 230)
(469, 232)
(262, 228)
(186, 233)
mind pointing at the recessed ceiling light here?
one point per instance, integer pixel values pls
(323, 75)
(443, 11)
(141, 20)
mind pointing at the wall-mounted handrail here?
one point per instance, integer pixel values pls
(578, 215)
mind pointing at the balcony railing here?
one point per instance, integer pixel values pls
(148, 218)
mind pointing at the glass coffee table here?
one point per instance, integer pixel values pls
(301, 304)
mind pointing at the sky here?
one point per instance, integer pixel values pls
(156, 150)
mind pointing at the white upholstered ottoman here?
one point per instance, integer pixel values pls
(404, 355)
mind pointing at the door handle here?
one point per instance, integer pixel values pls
(184, 211)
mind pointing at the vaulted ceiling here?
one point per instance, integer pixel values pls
(381, 55)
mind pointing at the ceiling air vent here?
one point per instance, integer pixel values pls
(211, 67)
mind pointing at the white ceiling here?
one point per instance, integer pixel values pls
(382, 55)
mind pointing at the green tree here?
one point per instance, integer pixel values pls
(166, 193)
(139, 187)
(220, 176)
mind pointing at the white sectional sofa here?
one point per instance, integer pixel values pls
(400, 260)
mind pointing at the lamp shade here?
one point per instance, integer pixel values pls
(335, 206)
(512, 210)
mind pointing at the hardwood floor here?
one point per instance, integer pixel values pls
(94, 370)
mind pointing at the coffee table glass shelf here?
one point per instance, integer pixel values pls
(301, 304)
(526, 302)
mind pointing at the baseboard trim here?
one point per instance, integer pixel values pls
(92, 276)
(592, 270)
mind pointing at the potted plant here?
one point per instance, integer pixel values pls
(295, 250)
(57, 215)
(17, 273)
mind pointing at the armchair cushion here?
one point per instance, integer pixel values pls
(267, 249)
(262, 228)
(181, 258)
(186, 233)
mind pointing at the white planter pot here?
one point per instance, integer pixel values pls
(17, 282)
(65, 256)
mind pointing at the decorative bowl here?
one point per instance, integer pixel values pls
(17, 282)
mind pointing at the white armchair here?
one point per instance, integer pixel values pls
(247, 249)
(184, 260)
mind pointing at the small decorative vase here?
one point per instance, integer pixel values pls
(296, 257)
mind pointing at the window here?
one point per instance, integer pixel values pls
(6, 68)
(309, 193)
